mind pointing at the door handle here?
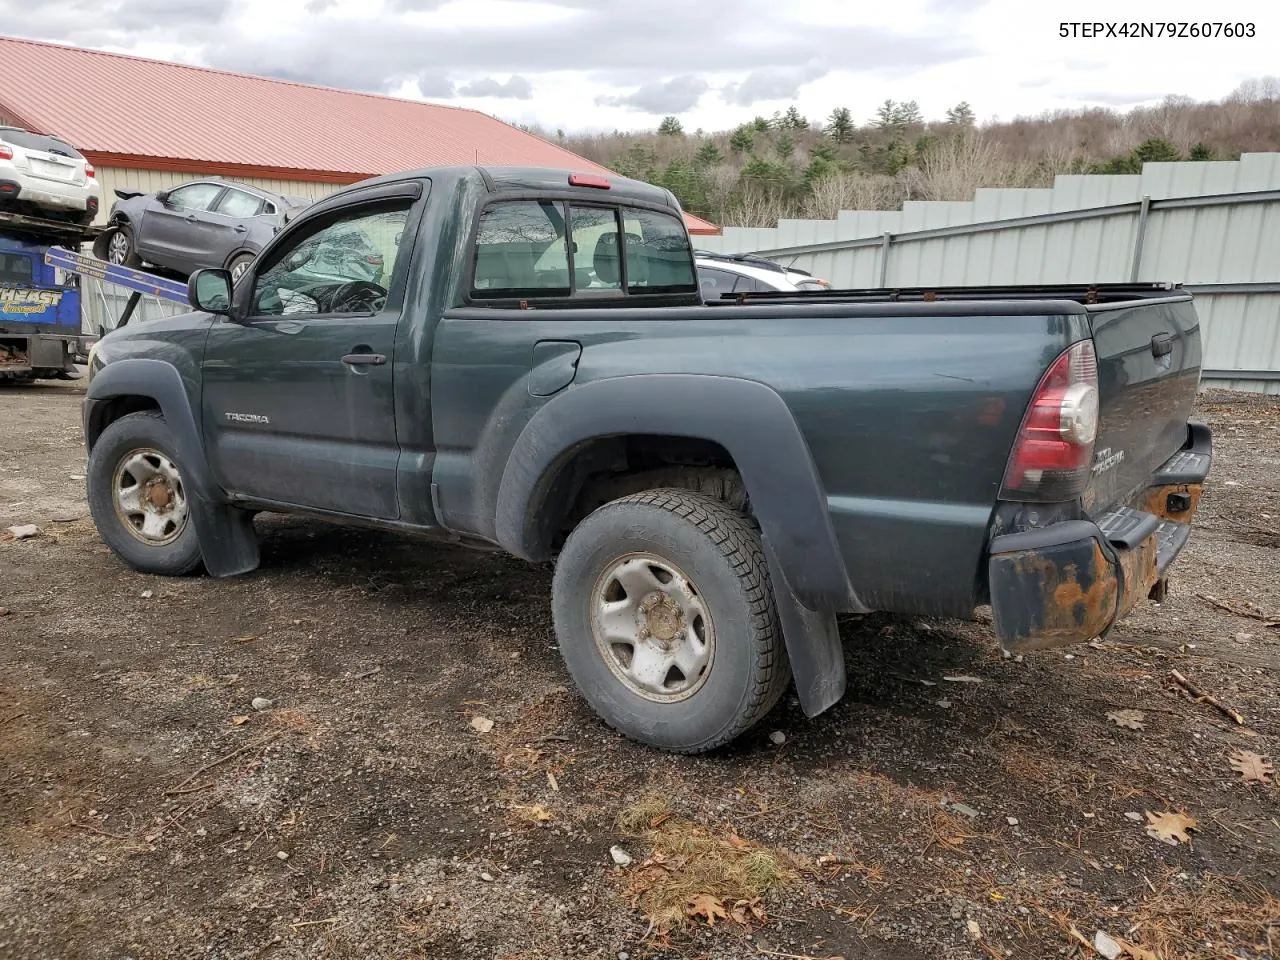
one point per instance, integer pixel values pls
(1161, 345)
(365, 359)
(240, 228)
(191, 218)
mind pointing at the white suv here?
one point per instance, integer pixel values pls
(45, 176)
(721, 273)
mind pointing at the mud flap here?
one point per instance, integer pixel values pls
(228, 542)
(813, 644)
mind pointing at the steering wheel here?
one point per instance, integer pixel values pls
(356, 296)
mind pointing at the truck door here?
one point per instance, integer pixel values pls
(298, 399)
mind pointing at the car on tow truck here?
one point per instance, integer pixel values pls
(44, 176)
(535, 370)
(203, 223)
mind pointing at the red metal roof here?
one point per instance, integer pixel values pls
(193, 119)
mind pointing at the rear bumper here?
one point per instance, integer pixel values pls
(50, 193)
(1071, 581)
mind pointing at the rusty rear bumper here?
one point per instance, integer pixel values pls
(1071, 581)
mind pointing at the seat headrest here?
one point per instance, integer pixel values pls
(605, 261)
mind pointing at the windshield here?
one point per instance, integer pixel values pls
(34, 141)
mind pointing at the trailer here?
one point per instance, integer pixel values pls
(40, 325)
(42, 333)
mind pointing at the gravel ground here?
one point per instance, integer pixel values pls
(148, 810)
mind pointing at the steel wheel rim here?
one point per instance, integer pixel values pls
(238, 270)
(149, 498)
(118, 248)
(652, 628)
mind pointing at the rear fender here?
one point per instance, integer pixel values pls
(786, 494)
(227, 541)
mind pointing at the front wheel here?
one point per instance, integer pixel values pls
(666, 621)
(137, 497)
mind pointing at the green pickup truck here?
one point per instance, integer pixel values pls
(521, 359)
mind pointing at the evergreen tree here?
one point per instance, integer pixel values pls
(840, 125)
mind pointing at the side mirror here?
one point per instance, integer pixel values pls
(162, 196)
(210, 291)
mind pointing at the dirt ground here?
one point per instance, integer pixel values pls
(148, 810)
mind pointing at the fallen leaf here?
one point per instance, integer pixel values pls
(737, 842)
(538, 813)
(481, 724)
(745, 912)
(551, 782)
(1137, 952)
(705, 905)
(239, 721)
(1132, 719)
(1253, 767)
(1170, 828)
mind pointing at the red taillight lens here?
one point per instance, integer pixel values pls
(89, 171)
(6, 152)
(1050, 460)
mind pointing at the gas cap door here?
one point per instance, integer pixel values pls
(555, 362)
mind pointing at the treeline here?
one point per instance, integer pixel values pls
(789, 165)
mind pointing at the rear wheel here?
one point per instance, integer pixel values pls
(137, 497)
(238, 265)
(120, 248)
(665, 616)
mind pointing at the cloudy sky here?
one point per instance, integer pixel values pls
(605, 64)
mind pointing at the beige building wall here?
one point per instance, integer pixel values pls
(147, 181)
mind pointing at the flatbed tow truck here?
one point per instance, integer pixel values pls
(41, 324)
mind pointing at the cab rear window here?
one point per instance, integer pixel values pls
(550, 248)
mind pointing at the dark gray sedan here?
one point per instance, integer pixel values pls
(205, 223)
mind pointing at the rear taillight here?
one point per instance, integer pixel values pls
(1051, 456)
(88, 170)
(6, 152)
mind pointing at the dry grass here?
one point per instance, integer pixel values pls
(1186, 921)
(688, 861)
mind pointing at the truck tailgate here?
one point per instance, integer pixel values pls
(1148, 372)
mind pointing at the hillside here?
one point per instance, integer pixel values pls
(789, 165)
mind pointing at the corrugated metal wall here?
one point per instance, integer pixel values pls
(1087, 230)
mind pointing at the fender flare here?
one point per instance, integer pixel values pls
(753, 423)
(227, 539)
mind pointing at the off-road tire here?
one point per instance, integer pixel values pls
(721, 553)
(145, 429)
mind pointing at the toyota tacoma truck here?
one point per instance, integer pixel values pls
(528, 364)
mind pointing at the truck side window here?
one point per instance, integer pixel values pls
(659, 259)
(521, 249)
(343, 268)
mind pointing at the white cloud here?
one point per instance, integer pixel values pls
(604, 64)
